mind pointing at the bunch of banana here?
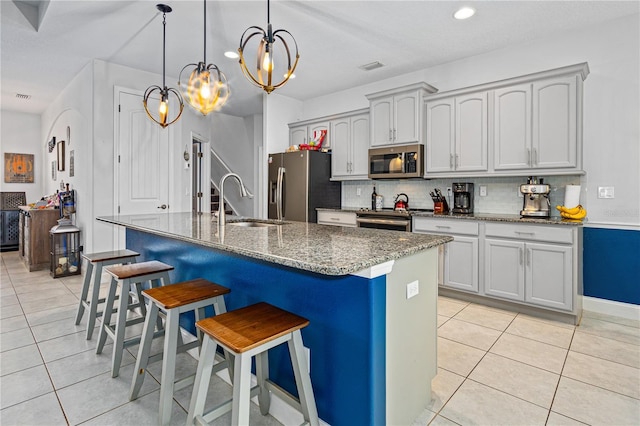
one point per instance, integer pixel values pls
(576, 213)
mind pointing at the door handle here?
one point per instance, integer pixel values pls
(534, 160)
(390, 134)
(451, 161)
(520, 251)
(529, 162)
(163, 207)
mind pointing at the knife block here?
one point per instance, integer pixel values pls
(440, 207)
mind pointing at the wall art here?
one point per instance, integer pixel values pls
(54, 170)
(52, 144)
(71, 164)
(61, 156)
(18, 168)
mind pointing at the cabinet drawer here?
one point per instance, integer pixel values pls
(555, 234)
(448, 226)
(328, 217)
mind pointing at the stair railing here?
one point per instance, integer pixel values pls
(218, 169)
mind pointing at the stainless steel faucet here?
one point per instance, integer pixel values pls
(222, 218)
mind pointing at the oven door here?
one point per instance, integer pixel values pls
(393, 224)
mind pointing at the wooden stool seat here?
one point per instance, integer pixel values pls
(128, 276)
(180, 294)
(249, 327)
(248, 332)
(97, 261)
(173, 300)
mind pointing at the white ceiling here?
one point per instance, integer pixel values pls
(334, 38)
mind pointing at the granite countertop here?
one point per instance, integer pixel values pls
(494, 217)
(488, 217)
(324, 249)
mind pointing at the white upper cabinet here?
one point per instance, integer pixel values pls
(554, 142)
(512, 127)
(536, 126)
(457, 134)
(350, 145)
(304, 132)
(395, 115)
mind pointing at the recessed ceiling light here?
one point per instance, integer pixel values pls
(371, 66)
(231, 55)
(464, 13)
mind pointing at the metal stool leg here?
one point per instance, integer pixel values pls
(85, 291)
(106, 315)
(143, 353)
(303, 381)
(203, 377)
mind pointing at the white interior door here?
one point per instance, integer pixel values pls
(142, 168)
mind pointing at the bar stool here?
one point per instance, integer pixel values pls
(125, 276)
(172, 300)
(249, 332)
(98, 261)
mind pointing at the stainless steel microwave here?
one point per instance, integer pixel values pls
(396, 162)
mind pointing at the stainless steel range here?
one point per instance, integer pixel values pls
(395, 220)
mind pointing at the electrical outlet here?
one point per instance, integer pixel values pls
(483, 190)
(413, 289)
(449, 192)
(359, 191)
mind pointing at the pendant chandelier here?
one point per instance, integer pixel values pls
(207, 89)
(164, 92)
(263, 75)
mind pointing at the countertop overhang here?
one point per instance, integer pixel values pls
(323, 249)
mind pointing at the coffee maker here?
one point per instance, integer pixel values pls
(462, 198)
(535, 197)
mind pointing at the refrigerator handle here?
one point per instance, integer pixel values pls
(279, 192)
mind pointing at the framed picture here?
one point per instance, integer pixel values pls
(61, 156)
(18, 168)
(54, 169)
(52, 144)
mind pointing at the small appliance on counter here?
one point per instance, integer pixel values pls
(401, 204)
(462, 198)
(535, 202)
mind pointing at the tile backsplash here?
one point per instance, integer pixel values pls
(503, 195)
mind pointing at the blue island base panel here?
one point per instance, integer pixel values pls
(612, 264)
(346, 334)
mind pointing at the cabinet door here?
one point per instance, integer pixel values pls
(319, 127)
(554, 142)
(381, 121)
(440, 134)
(504, 269)
(406, 123)
(461, 264)
(360, 145)
(512, 127)
(297, 135)
(549, 275)
(471, 132)
(340, 153)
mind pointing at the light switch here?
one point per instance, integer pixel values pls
(412, 289)
(606, 192)
(359, 191)
(483, 190)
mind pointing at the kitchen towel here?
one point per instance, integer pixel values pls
(571, 196)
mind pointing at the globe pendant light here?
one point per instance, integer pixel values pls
(164, 92)
(207, 89)
(263, 76)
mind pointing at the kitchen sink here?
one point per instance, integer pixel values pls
(253, 224)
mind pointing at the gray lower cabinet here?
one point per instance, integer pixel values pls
(459, 258)
(530, 263)
(337, 218)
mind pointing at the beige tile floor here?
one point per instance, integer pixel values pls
(494, 367)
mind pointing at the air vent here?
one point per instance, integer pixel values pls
(371, 66)
(23, 96)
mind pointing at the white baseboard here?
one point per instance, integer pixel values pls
(609, 307)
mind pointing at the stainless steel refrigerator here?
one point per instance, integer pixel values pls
(299, 182)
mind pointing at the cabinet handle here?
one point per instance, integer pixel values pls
(442, 227)
(534, 161)
(335, 219)
(528, 257)
(529, 155)
(520, 251)
(390, 134)
(524, 233)
(451, 161)
(394, 134)
(456, 163)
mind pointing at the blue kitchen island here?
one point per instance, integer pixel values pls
(370, 296)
